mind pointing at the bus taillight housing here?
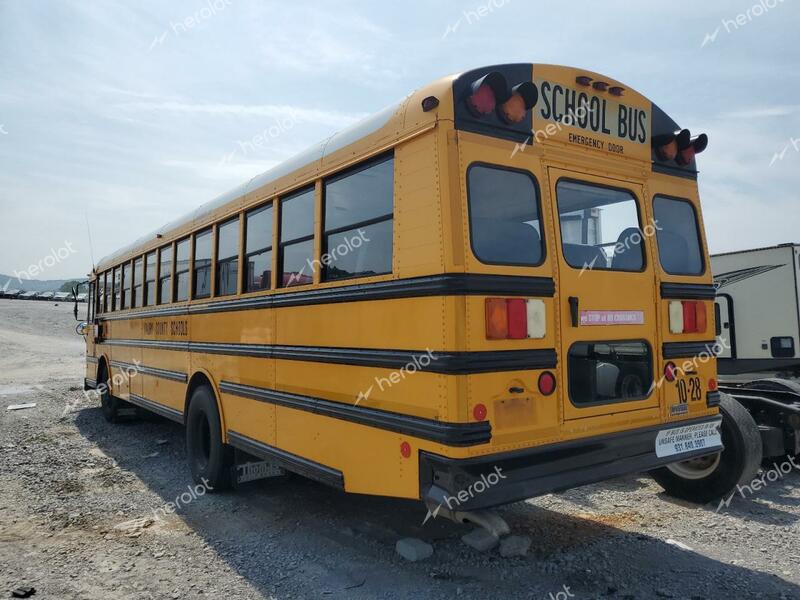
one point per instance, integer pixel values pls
(486, 93)
(687, 316)
(515, 319)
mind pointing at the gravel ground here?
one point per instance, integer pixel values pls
(80, 500)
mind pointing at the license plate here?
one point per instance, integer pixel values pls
(689, 438)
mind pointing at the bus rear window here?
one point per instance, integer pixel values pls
(599, 227)
(504, 216)
(605, 372)
(677, 236)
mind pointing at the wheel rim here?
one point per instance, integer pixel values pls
(696, 468)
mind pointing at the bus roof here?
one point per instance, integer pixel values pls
(393, 122)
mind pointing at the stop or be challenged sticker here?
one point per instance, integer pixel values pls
(689, 438)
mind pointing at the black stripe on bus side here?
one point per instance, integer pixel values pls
(446, 363)
(688, 291)
(159, 409)
(449, 434)
(451, 284)
(155, 372)
(287, 460)
(688, 349)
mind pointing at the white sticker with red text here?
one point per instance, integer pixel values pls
(612, 317)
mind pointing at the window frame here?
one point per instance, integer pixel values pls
(127, 273)
(216, 262)
(312, 188)
(636, 201)
(161, 276)
(325, 233)
(102, 296)
(134, 260)
(542, 227)
(700, 241)
(175, 272)
(193, 258)
(146, 301)
(271, 206)
(116, 288)
(648, 393)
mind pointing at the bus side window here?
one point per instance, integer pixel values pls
(359, 206)
(227, 257)
(165, 275)
(297, 239)
(182, 270)
(126, 285)
(150, 279)
(678, 236)
(504, 216)
(202, 264)
(258, 249)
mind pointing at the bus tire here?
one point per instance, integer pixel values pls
(713, 478)
(109, 404)
(210, 459)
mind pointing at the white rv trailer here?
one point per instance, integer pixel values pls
(757, 309)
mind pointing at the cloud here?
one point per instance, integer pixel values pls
(762, 112)
(329, 118)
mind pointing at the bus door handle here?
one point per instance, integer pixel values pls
(573, 310)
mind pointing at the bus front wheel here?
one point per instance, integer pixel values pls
(210, 458)
(714, 477)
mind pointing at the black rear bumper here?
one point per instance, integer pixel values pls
(487, 481)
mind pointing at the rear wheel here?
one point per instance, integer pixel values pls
(210, 459)
(110, 405)
(713, 477)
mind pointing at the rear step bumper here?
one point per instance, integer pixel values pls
(493, 480)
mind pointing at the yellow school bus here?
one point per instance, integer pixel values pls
(503, 274)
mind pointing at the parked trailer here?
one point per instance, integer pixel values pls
(757, 308)
(758, 332)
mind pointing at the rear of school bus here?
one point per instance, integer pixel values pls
(572, 209)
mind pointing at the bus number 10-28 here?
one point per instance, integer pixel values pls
(689, 388)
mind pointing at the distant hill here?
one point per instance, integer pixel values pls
(37, 285)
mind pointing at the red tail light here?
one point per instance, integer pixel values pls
(547, 383)
(688, 316)
(486, 92)
(670, 371)
(479, 412)
(517, 318)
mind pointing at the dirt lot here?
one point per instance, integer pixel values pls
(77, 520)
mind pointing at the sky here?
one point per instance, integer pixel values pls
(117, 117)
